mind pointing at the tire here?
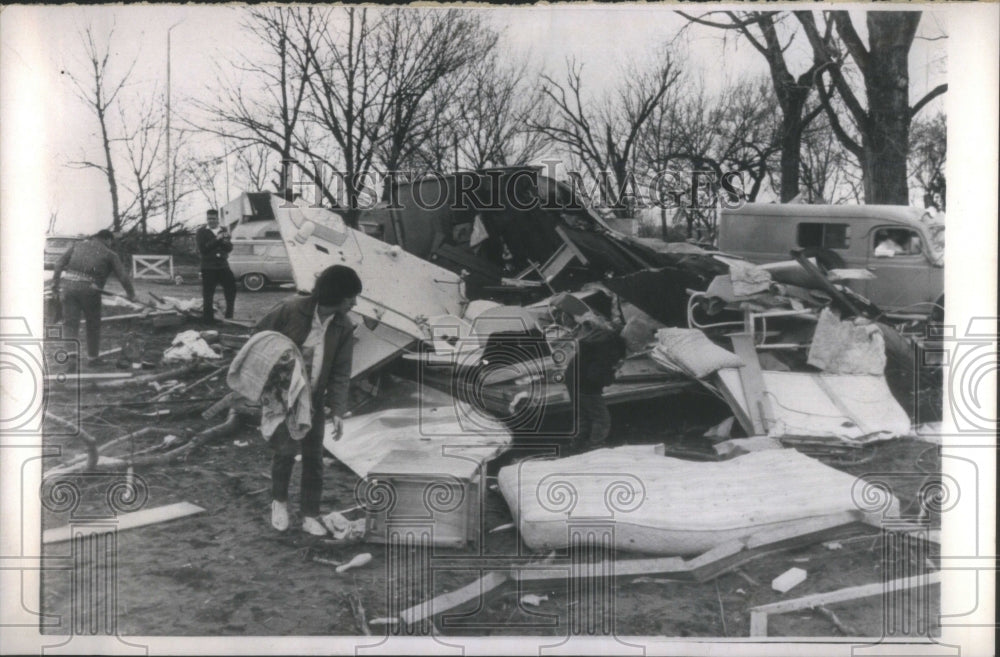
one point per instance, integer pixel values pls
(253, 282)
(826, 259)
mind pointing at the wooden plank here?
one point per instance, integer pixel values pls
(758, 623)
(731, 389)
(753, 383)
(571, 245)
(720, 559)
(88, 376)
(804, 527)
(125, 521)
(850, 593)
(456, 598)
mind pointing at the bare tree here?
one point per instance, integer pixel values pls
(253, 163)
(829, 173)
(879, 138)
(264, 107)
(142, 148)
(493, 112)
(421, 52)
(928, 155)
(603, 136)
(707, 138)
(98, 89)
(761, 30)
(348, 100)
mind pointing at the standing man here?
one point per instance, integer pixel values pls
(214, 245)
(85, 268)
(319, 325)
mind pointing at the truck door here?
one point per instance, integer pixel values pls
(902, 272)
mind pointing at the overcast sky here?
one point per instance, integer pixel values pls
(40, 43)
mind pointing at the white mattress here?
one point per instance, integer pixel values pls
(669, 506)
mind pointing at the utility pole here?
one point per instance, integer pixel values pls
(168, 183)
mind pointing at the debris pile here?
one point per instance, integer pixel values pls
(461, 347)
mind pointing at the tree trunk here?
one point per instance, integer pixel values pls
(887, 84)
(791, 156)
(116, 224)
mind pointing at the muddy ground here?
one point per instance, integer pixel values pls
(227, 572)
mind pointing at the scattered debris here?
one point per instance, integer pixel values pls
(424, 484)
(356, 562)
(845, 629)
(358, 611)
(533, 600)
(474, 592)
(845, 407)
(344, 529)
(758, 615)
(188, 346)
(124, 521)
(788, 580)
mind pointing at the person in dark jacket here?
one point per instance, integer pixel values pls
(78, 280)
(599, 349)
(321, 328)
(214, 245)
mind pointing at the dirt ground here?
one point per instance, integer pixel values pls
(227, 572)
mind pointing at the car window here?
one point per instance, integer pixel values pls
(890, 242)
(824, 236)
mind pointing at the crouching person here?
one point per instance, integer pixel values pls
(319, 325)
(599, 348)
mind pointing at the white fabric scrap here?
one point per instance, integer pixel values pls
(748, 278)
(847, 347)
(479, 233)
(188, 345)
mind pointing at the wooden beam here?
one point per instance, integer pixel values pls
(124, 521)
(758, 615)
(88, 376)
(455, 598)
(753, 383)
(720, 559)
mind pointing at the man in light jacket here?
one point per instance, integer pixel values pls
(319, 325)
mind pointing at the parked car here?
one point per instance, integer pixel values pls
(55, 247)
(257, 263)
(903, 246)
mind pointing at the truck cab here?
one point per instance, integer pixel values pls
(903, 246)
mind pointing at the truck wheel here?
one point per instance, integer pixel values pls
(254, 282)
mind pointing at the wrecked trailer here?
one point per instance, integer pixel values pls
(512, 233)
(440, 273)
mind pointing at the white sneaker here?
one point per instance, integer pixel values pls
(279, 515)
(313, 526)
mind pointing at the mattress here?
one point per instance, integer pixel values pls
(662, 505)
